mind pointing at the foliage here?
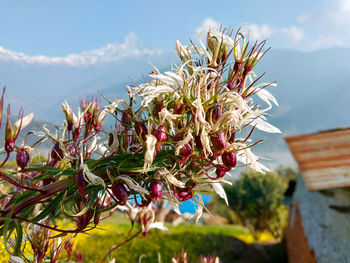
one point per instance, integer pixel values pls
(286, 173)
(174, 138)
(257, 200)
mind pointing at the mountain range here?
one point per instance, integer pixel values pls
(313, 88)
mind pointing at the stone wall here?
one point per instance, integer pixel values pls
(327, 231)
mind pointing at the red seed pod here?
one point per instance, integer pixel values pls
(120, 192)
(178, 108)
(232, 138)
(22, 158)
(110, 139)
(125, 120)
(155, 189)
(221, 171)
(81, 182)
(57, 153)
(229, 159)
(186, 150)
(219, 141)
(183, 194)
(145, 202)
(160, 134)
(197, 140)
(216, 112)
(141, 129)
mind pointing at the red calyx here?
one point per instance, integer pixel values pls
(81, 182)
(57, 153)
(183, 194)
(22, 158)
(120, 192)
(219, 141)
(160, 134)
(229, 159)
(155, 189)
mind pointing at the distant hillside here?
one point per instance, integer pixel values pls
(312, 89)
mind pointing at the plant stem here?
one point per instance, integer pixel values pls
(120, 244)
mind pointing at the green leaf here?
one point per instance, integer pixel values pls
(49, 208)
(19, 238)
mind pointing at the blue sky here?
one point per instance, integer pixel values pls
(58, 28)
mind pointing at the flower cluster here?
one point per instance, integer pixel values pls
(178, 135)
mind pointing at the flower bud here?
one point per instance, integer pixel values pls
(57, 153)
(229, 159)
(212, 43)
(155, 189)
(219, 141)
(22, 158)
(120, 192)
(160, 134)
(141, 129)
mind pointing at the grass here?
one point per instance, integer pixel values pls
(222, 241)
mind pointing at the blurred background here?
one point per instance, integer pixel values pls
(51, 51)
(55, 51)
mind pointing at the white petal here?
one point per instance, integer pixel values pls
(199, 210)
(90, 177)
(92, 145)
(217, 187)
(158, 225)
(151, 141)
(174, 203)
(264, 126)
(133, 184)
(115, 144)
(163, 172)
(197, 215)
(25, 122)
(267, 96)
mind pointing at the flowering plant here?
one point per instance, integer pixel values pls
(176, 136)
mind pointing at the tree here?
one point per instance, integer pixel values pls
(257, 201)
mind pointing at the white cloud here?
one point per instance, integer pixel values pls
(131, 47)
(328, 24)
(293, 33)
(206, 24)
(257, 32)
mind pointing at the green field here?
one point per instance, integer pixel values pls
(198, 240)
